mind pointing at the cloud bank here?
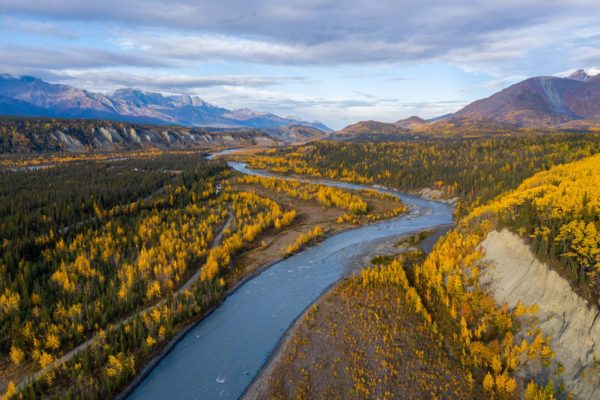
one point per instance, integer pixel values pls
(172, 43)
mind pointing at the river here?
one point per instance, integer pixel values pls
(221, 355)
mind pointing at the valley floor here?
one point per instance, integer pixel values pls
(268, 246)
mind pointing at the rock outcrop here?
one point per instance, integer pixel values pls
(514, 274)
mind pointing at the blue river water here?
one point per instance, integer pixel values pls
(221, 355)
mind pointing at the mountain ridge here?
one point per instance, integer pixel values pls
(33, 97)
(542, 102)
(48, 135)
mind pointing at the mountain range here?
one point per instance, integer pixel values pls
(544, 102)
(33, 97)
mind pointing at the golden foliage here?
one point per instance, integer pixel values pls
(324, 195)
(11, 391)
(561, 209)
(535, 392)
(16, 355)
(253, 215)
(304, 239)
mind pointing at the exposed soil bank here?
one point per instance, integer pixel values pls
(516, 275)
(435, 195)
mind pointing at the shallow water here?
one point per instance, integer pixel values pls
(220, 356)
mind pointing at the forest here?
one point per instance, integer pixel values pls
(72, 268)
(472, 169)
(558, 212)
(114, 256)
(501, 351)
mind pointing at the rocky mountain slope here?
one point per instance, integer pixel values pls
(29, 96)
(370, 126)
(18, 135)
(543, 102)
(294, 133)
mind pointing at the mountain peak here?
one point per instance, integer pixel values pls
(126, 91)
(138, 97)
(198, 102)
(181, 100)
(142, 98)
(370, 127)
(580, 75)
(411, 122)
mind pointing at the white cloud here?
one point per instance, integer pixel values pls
(111, 79)
(332, 32)
(203, 47)
(164, 46)
(52, 29)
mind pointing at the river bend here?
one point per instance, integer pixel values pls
(221, 355)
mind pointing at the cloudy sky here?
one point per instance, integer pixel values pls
(333, 61)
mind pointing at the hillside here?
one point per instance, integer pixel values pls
(542, 102)
(567, 319)
(30, 96)
(19, 135)
(295, 133)
(475, 170)
(370, 130)
(468, 126)
(413, 122)
(557, 210)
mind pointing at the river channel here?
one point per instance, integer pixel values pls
(221, 355)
